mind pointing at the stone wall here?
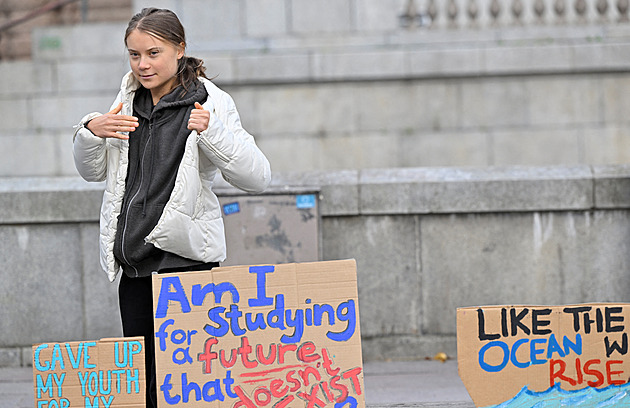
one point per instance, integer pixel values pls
(348, 86)
(16, 42)
(426, 241)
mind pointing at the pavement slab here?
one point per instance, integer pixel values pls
(425, 383)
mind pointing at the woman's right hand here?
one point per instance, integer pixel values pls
(109, 124)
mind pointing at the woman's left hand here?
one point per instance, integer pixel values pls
(199, 118)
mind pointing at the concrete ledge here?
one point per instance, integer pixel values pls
(421, 60)
(48, 199)
(348, 56)
(446, 190)
(612, 186)
(371, 191)
(454, 190)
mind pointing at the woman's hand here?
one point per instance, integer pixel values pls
(199, 118)
(111, 123)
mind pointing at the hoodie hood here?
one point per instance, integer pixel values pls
(156, 148)
(178, 97)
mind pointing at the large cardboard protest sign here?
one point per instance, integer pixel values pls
(519, 356)
(259, 336)
(90, 374)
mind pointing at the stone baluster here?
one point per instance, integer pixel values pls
(472, 10)
(411, 17)
(539, 10)
(432, 11)
(560, 7)
(602, 8)
(495, 11)
(408, 15)
(622, 8)
(452, 10)
(517, 10)
(580, 9)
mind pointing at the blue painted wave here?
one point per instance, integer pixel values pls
(612, 396)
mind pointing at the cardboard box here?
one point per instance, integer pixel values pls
(558, 354)
(105, 373)
(259, 336)
(271, 229)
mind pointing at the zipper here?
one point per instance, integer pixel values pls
(122, 244)
(213, 149)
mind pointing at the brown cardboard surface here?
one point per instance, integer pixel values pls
(276, 229)
(503, 350)
(280, 335)
(105, 373)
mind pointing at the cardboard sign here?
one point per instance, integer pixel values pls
(279, 228)
(259, 336)
(90, 374)
(518, 356)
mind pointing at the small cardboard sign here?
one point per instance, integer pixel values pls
(259, 336)
(519, 356)
(105, 373)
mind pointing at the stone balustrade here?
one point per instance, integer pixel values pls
(459, 14)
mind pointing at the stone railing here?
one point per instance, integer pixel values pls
(501, 13)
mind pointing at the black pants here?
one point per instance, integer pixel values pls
(135, 298)
(136, 312)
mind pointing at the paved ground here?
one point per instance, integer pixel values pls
(414, 384)
(402, 384)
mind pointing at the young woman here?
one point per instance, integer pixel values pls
(169, 131)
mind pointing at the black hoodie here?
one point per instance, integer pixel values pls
(156, 148)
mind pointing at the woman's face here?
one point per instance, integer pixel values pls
(154, 62)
